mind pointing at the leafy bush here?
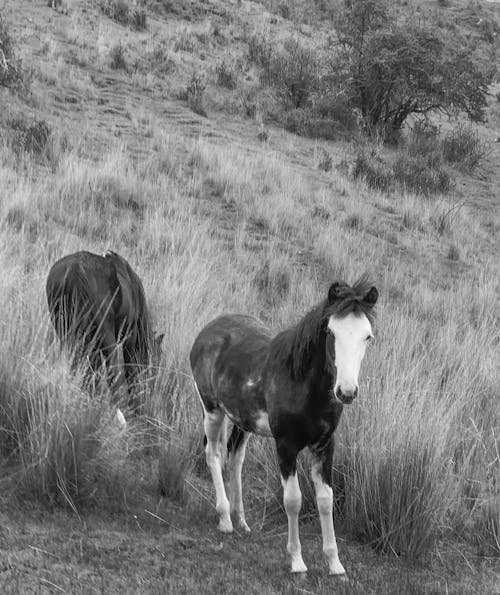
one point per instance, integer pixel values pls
(462, 145)
(390, 69)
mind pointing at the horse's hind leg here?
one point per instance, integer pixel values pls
(236, 447)
(213, 422)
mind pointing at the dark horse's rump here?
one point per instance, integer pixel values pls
(98, 308)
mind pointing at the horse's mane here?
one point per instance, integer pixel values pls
(293, 348)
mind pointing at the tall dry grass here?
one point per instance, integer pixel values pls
(417, 454)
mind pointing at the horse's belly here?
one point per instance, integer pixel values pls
(245, 406)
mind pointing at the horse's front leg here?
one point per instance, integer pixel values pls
(292, 500)
(321, 473)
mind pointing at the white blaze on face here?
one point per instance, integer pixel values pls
(352, 334)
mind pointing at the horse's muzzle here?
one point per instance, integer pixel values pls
(346, 398)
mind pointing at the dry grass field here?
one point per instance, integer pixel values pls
(159, 142)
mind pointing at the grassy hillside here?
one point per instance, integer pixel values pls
(163, 144)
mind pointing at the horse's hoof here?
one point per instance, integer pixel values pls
(336, 569)
(244, 527)
(225, 527)
(298, 567)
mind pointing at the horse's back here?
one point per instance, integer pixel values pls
(85, 279)
(227, 360)
(224, 333)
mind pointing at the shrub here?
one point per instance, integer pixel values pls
(373, 170)
(195, 94)
(424, 140)
(259, 51)
(330, 106)
(248, 103)
(293, 72)
(117, 54)
(33, 138)
(10, 67)
(415, 174)
(226, 75)
(157, 60)
(305, 122)
(325, 161)
(462, 145)
(284, 11)
(391, 68)
(121, 12)
(185, 42)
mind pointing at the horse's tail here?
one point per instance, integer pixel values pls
(70, 304)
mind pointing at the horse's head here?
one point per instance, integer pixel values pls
(350, 316)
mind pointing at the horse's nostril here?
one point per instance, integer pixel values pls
(346, 397)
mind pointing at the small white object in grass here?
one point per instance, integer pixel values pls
(120, 418)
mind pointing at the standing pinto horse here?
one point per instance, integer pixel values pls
(98, 308)
(291, 387)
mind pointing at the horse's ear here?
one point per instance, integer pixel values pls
(333, 292)
(371, 296)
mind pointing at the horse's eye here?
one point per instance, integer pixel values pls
(369, 338)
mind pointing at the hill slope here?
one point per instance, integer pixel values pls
(227, 213)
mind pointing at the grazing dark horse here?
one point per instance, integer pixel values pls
(98, 308)
(292, 387)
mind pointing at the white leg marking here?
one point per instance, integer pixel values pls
(324, 500)
(292, 499)
(213, 425)
(235, 491)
